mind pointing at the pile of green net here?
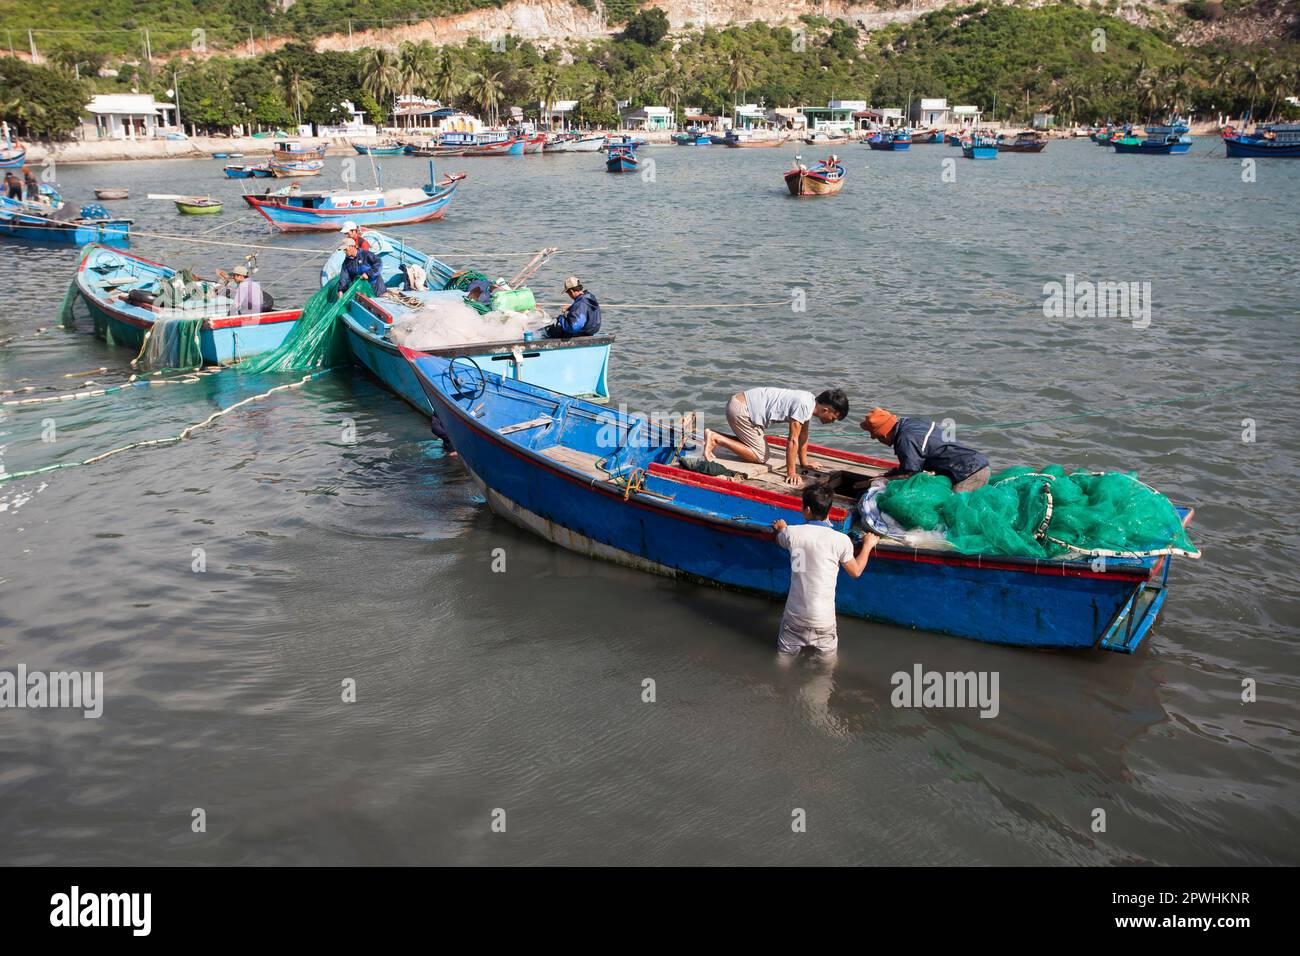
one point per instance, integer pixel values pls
(317, 339)
(1042, 513)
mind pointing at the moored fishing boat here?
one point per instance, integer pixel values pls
(296, 211)
(621, 160)
(622, 139)
(388, 148)
(575, 143)
(1029, 141)
(889, 140)
(1273, 140)
(30, 222)
(373, 325)
(610, 485)
(13, 157)
(286, 169)
(112, 193)
(692, 137)
(825, 178)
(1168, 139)
(927, 136)
(752, 139)
(291, 150)
(129, 296)
(979, 146)
(238, 172)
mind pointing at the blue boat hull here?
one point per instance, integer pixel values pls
(980, 152)
(685, 531)
(621, 164)
(1151, 149)
(1261, 149)
(280, 212)
(31, 229)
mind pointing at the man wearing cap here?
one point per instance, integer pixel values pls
(582, 317)
(352, 231)
(245, 295)
(919, 445)
(360, 263)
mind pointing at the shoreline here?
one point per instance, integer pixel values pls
(204, 147)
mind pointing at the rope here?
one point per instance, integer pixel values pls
(184, 434)
(186, 378)
(645, 305)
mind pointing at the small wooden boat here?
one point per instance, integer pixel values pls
(577, 366)
(238, 172)
(890, 140)
(30, 222)
(692, 137)
(824, 179)
(621, 160)
(1275, 140)
(534, 143)
(289, 151)
(198, 206)
(13, 157)
(127, 295)
(112, 193)
(610, 485)
(574, 143)
(380, 149)
(294, 211)
(295, 168)
(927, 136)
(1030, 141)
(748, 139)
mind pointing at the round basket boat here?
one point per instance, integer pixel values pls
(198, 207)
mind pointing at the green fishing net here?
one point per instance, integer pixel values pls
(1043, 513)
(317, 339)
(171, 343)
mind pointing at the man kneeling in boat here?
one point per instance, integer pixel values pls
(360, 264)
(748, 413)
(582, 317)
(920, 446)
(817, 552)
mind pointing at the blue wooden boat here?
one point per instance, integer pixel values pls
(127, 294)
(576, 366)
(980, 147)
(1170, 139)
(888, 140)
(12, 157)
(607, 484)
(296, 211)
(613, 141)
(621, 160)
(692, 137)
(1275, 140)
(29, 222)
(239, 172)
(295, 168)
(390, 149)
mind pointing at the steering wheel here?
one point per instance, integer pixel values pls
(464, 386)
(106, 260)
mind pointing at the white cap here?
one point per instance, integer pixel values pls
(348, 226)
(572, 283)
(241, 271)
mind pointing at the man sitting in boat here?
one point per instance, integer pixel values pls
(582, 317)
(245, 295)
(13, 186)
(748, 413)
(360, 264)
(817, 552)
(920, 446)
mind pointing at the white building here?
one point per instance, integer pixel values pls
(649, 118)
(128, 116)
(558, 115)
(931, 112)
(967, 115)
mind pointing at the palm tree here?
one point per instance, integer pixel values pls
(486, 90)
(740, 73)
(383, 75)
(599, 95)
(445, 84)
(546, 87)
(415, 66)
(1252, 76)
(298, 90)
(1281, 78)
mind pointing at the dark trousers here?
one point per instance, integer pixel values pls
(435, 426)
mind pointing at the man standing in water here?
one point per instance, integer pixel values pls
(817, 552)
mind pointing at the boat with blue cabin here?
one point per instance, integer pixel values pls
(694, 136)
(576, 366)
(1270, 140)
(889, 140)
(621, 159)
(128, 296)
(1169, 139)
(296, 211)
(979, 146)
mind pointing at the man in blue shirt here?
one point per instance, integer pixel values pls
(582, 317)
(919, 444)
(360, 264)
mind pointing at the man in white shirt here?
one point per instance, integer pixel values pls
(817, 552)
(749, 413)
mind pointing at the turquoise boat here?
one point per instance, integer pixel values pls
(576, 366)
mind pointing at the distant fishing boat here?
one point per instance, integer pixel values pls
(889, 140)
(292, 211)
(621, 160)
(979, 146)
(128, 296)
(534, 144)
(575, 143)
(295, 168)
(112, 193)
(198, 206)
(1281, 140)
(1030, 141)
(751, 139)
(27, 222)
(611, 485)
(927, 136)
(291, 150)
(380, 149)
(824, 179)
(576, 366)
(14, 157)
(692, 137)
(240, 172)
(1168, 139)
(622, 139)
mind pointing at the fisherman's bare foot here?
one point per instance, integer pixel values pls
(710, 443)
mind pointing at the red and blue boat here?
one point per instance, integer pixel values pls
(577, 366)
(1274, 140)
(621, 159)
(890, 140)
(296, 211)
(128, 296)
(609, 485)
(979, 146)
